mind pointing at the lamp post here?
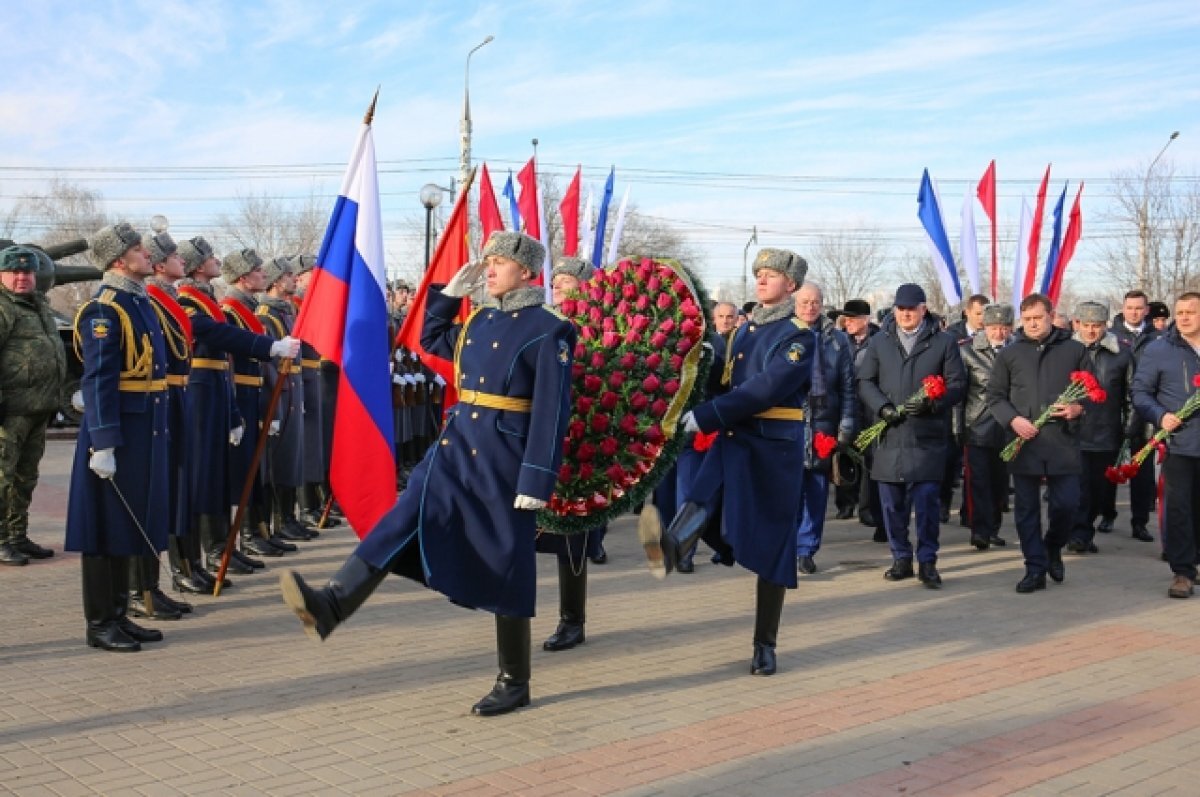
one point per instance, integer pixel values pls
(464, 126)
(745, 252)
(1144, 218)
(431, 197)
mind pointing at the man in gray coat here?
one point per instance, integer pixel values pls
(910, 456)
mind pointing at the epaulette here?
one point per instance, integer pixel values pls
(799, 324)
(554, 312)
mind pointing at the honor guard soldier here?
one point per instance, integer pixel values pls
(760, 420)
(119, 506)
(314, 413)
(33, 370)
(283, 461)
(467, 522)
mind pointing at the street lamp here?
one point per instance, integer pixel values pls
(1144, 218)
(431, 197)
(464, 126)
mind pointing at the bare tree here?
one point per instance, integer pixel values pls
(275, 227)
(848, 264)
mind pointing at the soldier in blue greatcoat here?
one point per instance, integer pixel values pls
(758, 455)
(118, 507)
(465, 525)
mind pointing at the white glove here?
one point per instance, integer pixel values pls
(437, 380)
(235, 435)
(77, 400)
(286, 347)
(104, 463)
(397, 379)
(689, 423)
(273, 429)
(419, 378)
(399, 355)
(409, 379)
(528, 502)
(468, 278)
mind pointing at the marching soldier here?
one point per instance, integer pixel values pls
(118, 505)
(33, 369)
(466, 524)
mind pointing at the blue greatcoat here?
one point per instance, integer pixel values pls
(247, 387)
(314, 437)
(454, 527)
(179, 365)
(283, 461)
(213, 413)
(759, 461)
(125, 408)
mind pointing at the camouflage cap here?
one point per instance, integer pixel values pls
(998, 314)
(517, 246)
(236, 265)
(160, 246)
(194, 252)
(575, 267)
(19, 258)
(110, 243)
(1091, 313)
(784, 261)
(275, 268)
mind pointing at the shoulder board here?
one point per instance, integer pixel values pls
(799, 324)
(552, 310)
(106, 295)
(262, 309)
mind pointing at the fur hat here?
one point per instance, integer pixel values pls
(1159, 310)
(575, 267)
(194, 252)
(276, 268)
(303, 263)
(998, 314)
(160, 246)
(19, 258)
(1091, 313)
(517, 246)
(238, 264)
(110, 243)
(786, 262)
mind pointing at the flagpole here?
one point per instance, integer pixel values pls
(370, 114)
(745, 253)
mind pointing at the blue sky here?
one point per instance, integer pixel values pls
(829, 112)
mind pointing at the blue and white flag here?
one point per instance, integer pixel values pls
(602, 219)
(929, 211)
(968, 245)
(514, 210)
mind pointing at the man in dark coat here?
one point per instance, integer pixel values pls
(986, 482)
(1029, 376)
(1102, 428)
(1134, 330)
(832, 409)
(909, 458)
(757, 458)
(118, 505)
(466, 524)
(1166, 377)
(963, 331)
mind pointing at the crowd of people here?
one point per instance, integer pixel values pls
(891, 415)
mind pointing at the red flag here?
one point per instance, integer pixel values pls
(451, 253)
(528, 202)
(1070, 239)
(1035, 234)
(569, 210)
(987, 197)
(489, 211)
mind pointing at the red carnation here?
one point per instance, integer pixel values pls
(638, 401)
(592, 383)
(595, 315)
(639, 322)
(609, 400)
(689, 329)
(667, 325)
(575, 430)
(616, 379)
(689, 309)
(584, 404)
(598, 359)
(658, 340)
(651, 384)
(609, 446)
(684, 345)
(608, 324)
(659, 408)
(703, 442)
(596, 292)
(628, 360)
(622, 308)
(1114, 475)
(824, 444)
(615, 473)
(609, 340)
(653, 360)
(628, 425)
(587, 333)
(577, 370)
(653, 284)
(586, 471)
(580, 351)
(629, 290)
(654, 433)
(586, 452)
(610, 298)
(1196, 380)
(1098, 396)
(671, 387)
(636, 448)
(644, 270)
(934, 386)
(676, 362)
(642, 302)
(599, 422)
(567, 307)
(664, 301)
(632, 337)
(1129, 470)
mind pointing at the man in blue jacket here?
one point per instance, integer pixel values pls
(909, 458)
(1164, 380)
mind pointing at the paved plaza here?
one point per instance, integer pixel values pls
(1091, 687)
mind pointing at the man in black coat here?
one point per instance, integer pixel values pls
(910, 456)
(1029, 375)
(1133, 328)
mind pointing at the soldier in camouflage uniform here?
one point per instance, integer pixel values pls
(33, 369)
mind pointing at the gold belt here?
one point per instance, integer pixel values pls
(141, 385)
(310, 363)
(781, 414)
(177, 380)
(494, 401)
(294, 369)
(247, 381)
(206, 362)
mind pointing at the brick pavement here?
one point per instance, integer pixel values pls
(1091, 687)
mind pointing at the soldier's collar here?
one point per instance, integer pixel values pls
(112, 279)
(247, 299)
(519, 299)
(764, 314)
(203, 287)
(168, 287)
(277, 303)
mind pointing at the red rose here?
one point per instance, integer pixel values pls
(664, 301)
(638, 401)
(629, 290)
(609, 400)
(615, 473)
(651, 384)
(658, 340)
(684, 345)
(567, 307)
(609, 323)
(659, 409)
(580, 351)
(622, 308)
(592, 383)
(628, 360)
(689, 309)
(595, 315)
(599, 422)
(636, 448)
(632, 337)
(609, 446)
(584, 404)
(565, 473)
(586, 452)
(653, 360)
(671, 387)
(616, 379)
(575, 430)
(609, 340)
(587, 333)
(667, 325)
(598, 359)
(679, 288)
(689, 329)
(586, 471)
(653, 284)
(676, 362)
(596, 293)
(610, 298)
(628, 425)
(643, 302)
(639, 322)
(644, 270)
(654, 433)
(577, 370)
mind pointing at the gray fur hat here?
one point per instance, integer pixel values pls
(1091, 313)
(784, 261)
(160, 246)
(194, 252)
(303, 263)
(110, 243)
(238, 264)
(517, 246)
(998, 314)
(276, 268)
(575, 267)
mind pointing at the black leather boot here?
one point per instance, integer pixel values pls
(768, 609)
(283, 513)
(900, 570)
(102, 629)
(928, 575)
(684, 532)
(180, 564)
(120, 595)
(1055, 569)
(143, 584)
(322, 610)
(314, 508)
(572, 600)
(512, 684)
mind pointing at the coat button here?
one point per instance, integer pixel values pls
(481, 380)
(514, 315)
(474, 452)
(445, 442)
(474, 415)
(468, 341)
(741, 355)
(496, 345)
(729, 433)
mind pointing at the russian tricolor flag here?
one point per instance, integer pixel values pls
(345, 318)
